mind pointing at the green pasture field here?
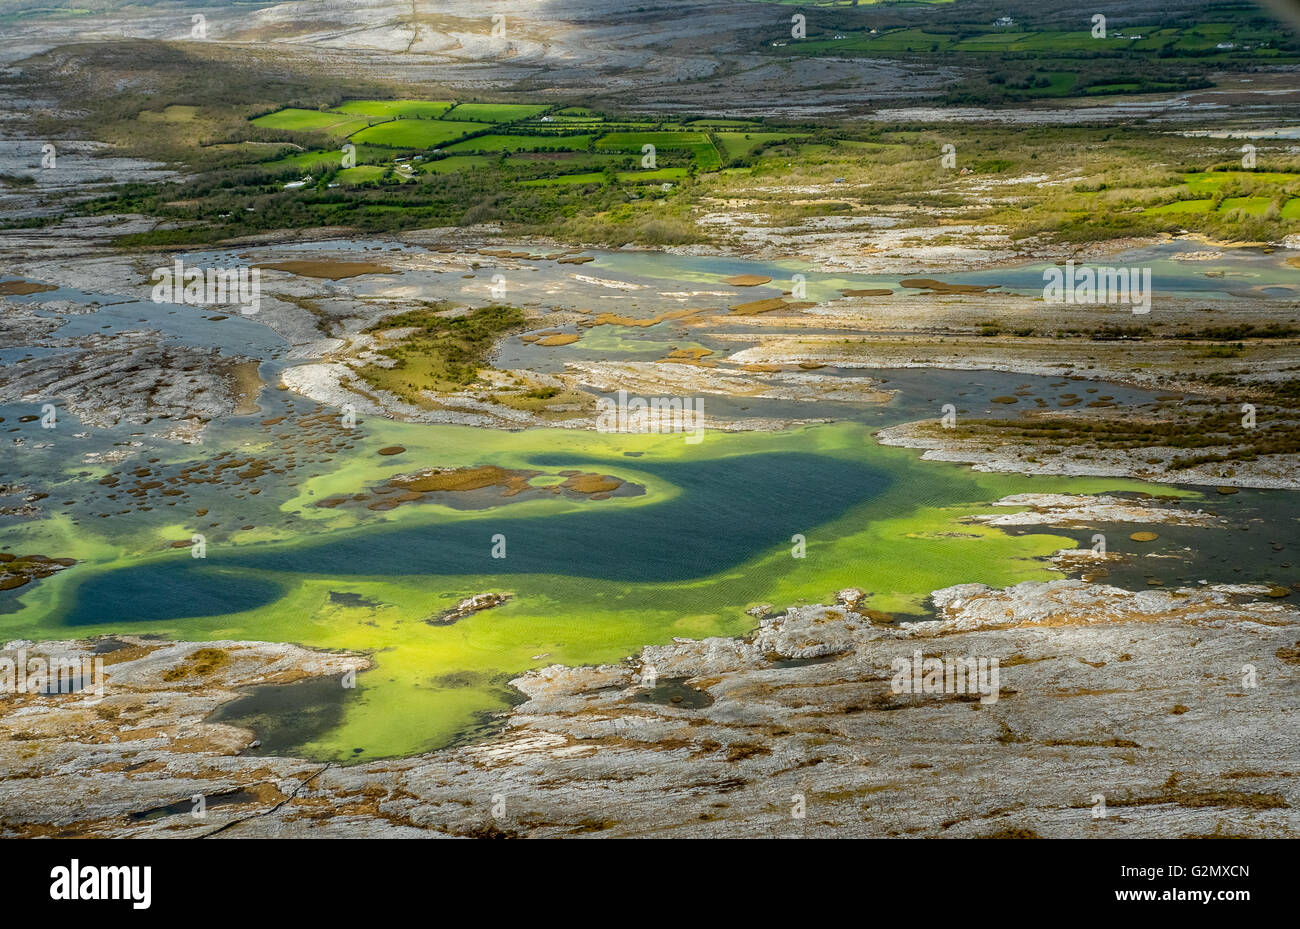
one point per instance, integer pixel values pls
(307, 161)
(632, 141)
(531, 176)
(721, 124)
(1211, 181)
(1252, 206)
(739, 144)
(392, 109)
(511, 143)
(496, 112)
(361, 174)
(624, 177)
(697, 143)
(454, 164)
(296, 120)
(1198, 40)
(564, 122)
(417, 133)
(329, 158)
(562, 162)
(590, 177)
(1182, 206)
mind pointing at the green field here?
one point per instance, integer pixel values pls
(361, 174)
(1244, 37)
(454, 164)
(496, 112)
(632, 141)
(392, 109)
(739, 144)
(1211, 181)
(721, 124)
(918, 39)
(526, 143)
(531, 175)
(416, 124)
(624, 177)
(307, 161)
(1128, 87)
(1182, 206)
(296, 120)
(321, 159)
(1253, 193)
(1059, 83)
(416, 133)
(590, 177)
(566, 122)
(1252, 206)
(697, 143)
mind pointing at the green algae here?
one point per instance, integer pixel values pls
(433, 686)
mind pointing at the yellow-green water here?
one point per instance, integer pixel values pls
(710, 537)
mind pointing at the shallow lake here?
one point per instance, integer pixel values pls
(741, 519)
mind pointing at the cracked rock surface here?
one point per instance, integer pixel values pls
(1178, 707)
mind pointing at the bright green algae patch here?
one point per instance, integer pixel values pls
(434, 685)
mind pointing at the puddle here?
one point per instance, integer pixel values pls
(283, 716)
(182, 807)
(674, 691)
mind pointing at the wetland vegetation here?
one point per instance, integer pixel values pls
(578, 171)
(367, 553)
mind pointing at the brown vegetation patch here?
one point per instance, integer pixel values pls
(563, 338)
(739, 751)
(414, 487)
(614, 319)
(331, 270)
(1289, 654)
(201, 661)
(18, 570)
(940, 287)
(582, 482)
(755, 307)
(1012, 832)
(17, 288)
(465, 479)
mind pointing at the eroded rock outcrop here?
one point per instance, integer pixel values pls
(1180, 707)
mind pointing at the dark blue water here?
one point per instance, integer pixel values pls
(727, 511)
